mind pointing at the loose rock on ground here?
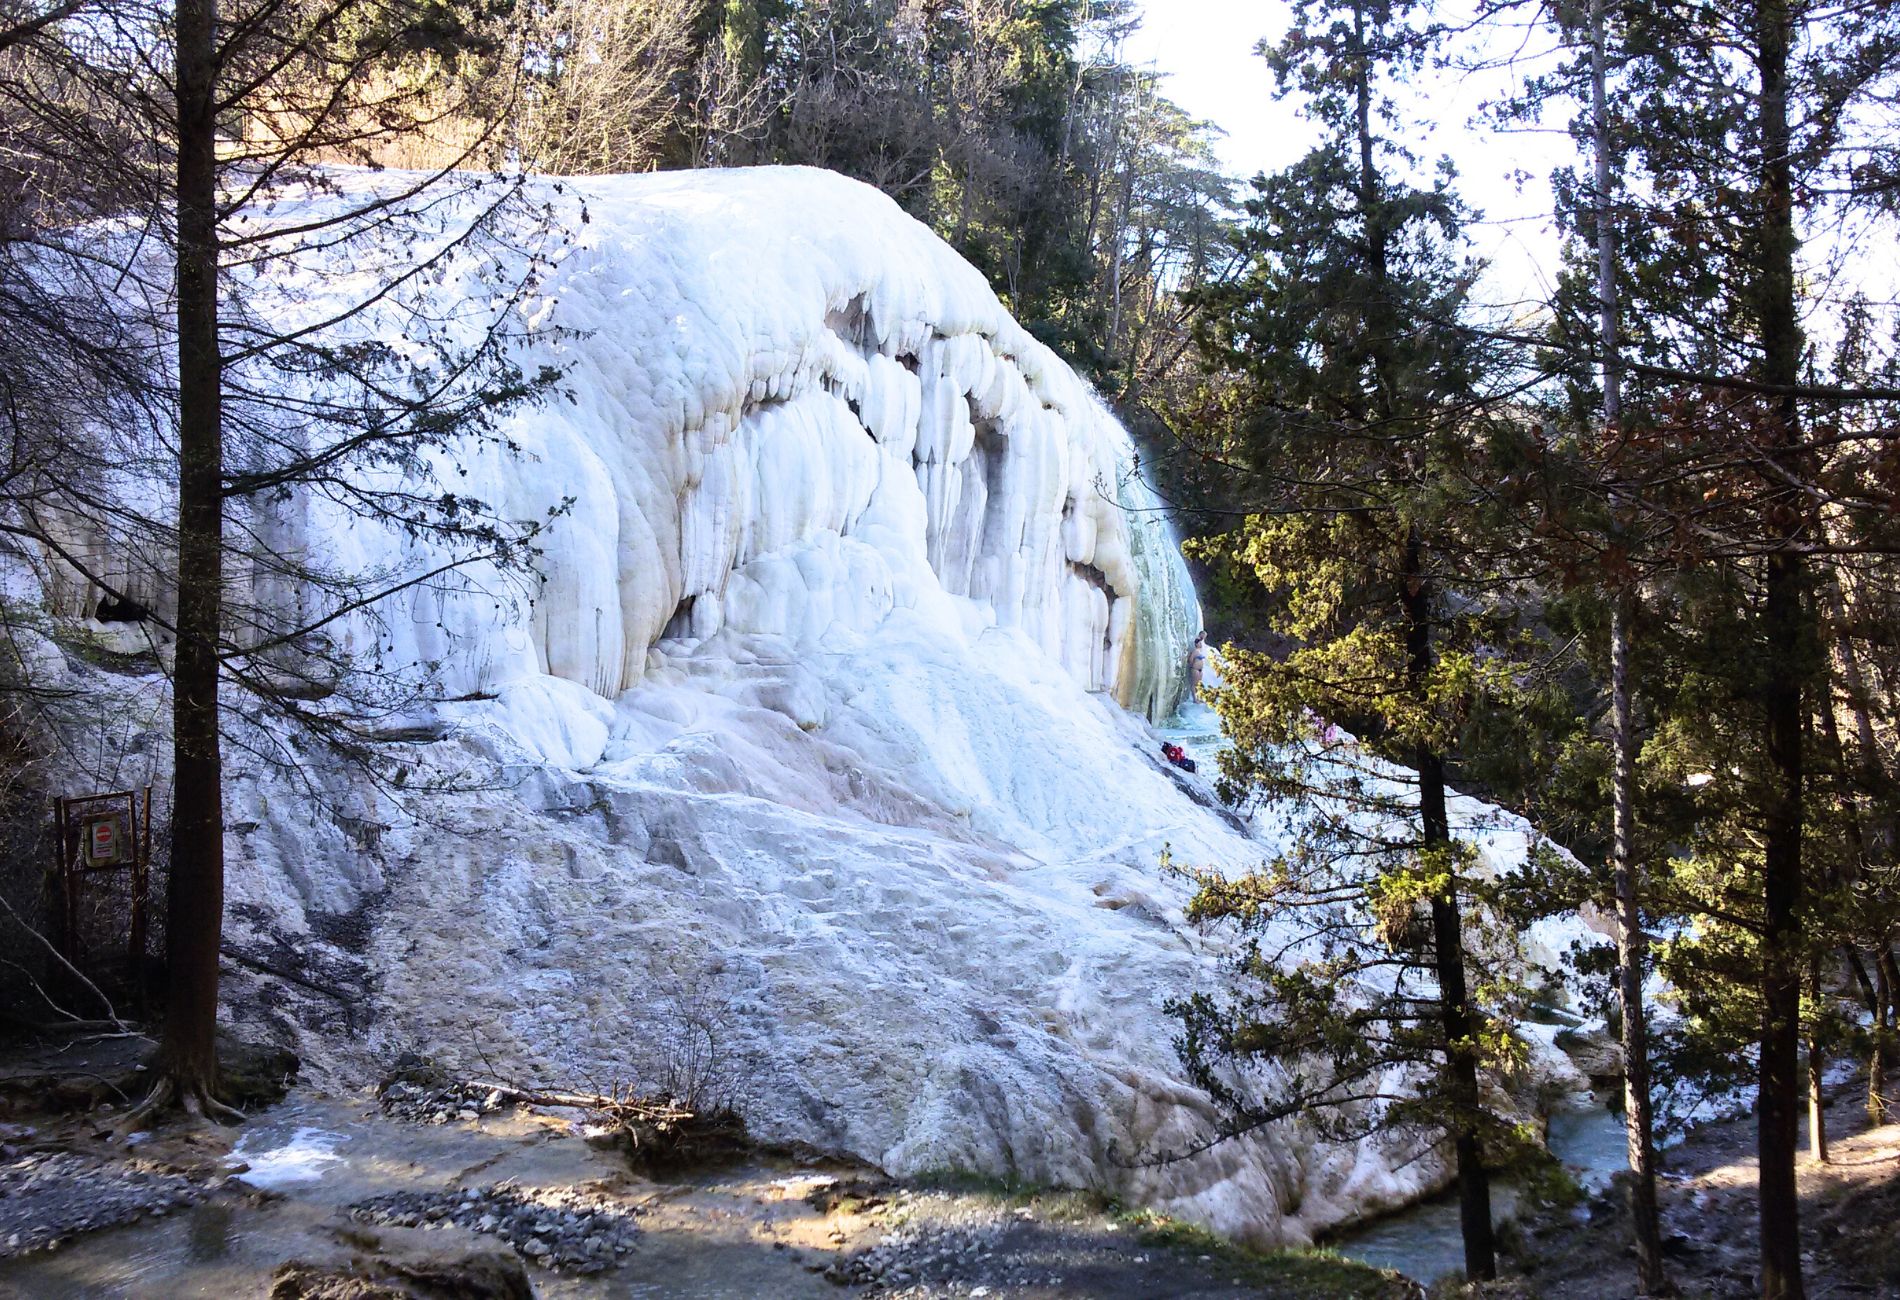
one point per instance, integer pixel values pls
(44, 1199)
(424, 1103)
(567, 1229)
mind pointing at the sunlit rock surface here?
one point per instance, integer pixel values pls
(803, 768)
(789, 410)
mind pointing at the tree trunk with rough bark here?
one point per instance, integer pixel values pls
(1784, 610)
(195, 893)
(1454, 1001)
(1645, 1219)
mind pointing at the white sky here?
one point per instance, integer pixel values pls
(1205, 48)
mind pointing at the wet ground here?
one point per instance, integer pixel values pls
(761, 1228)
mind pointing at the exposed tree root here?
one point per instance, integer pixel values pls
(155, 1103)
(168, 1093)
(204, 1106)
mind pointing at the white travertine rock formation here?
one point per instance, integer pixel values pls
(795, 409)
(803, 738)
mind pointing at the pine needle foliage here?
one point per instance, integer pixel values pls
(1379, 975)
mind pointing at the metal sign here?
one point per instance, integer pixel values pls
(105, 840)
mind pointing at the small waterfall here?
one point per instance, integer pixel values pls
(1167, 613)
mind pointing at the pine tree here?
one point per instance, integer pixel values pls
(1746, 114)
(1624, 864)
(188, 1059)
(1363, 429)
(1737, 123)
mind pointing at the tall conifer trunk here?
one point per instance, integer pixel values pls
(1415, 596)
(1783, 614)
(1834, 754)
(1448, 947)
(1474, 1181)
(1638, 1120)
(195, 894)
(1877, 1058)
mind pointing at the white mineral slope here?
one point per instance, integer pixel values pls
(808, 772)
(811, 729)
(906, 890)
(788, 409)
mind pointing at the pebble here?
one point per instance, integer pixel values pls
(917, 1253)
(439, 1104)
(45, 1199)
(564, 1229)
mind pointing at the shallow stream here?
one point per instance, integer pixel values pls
(1423, 1241)
(319, 1155)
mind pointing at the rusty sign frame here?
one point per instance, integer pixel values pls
(72, 819)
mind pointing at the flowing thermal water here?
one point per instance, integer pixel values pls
(1169, 614)
(1425, 1242)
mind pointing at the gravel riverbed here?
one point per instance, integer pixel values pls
(47, 1198)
